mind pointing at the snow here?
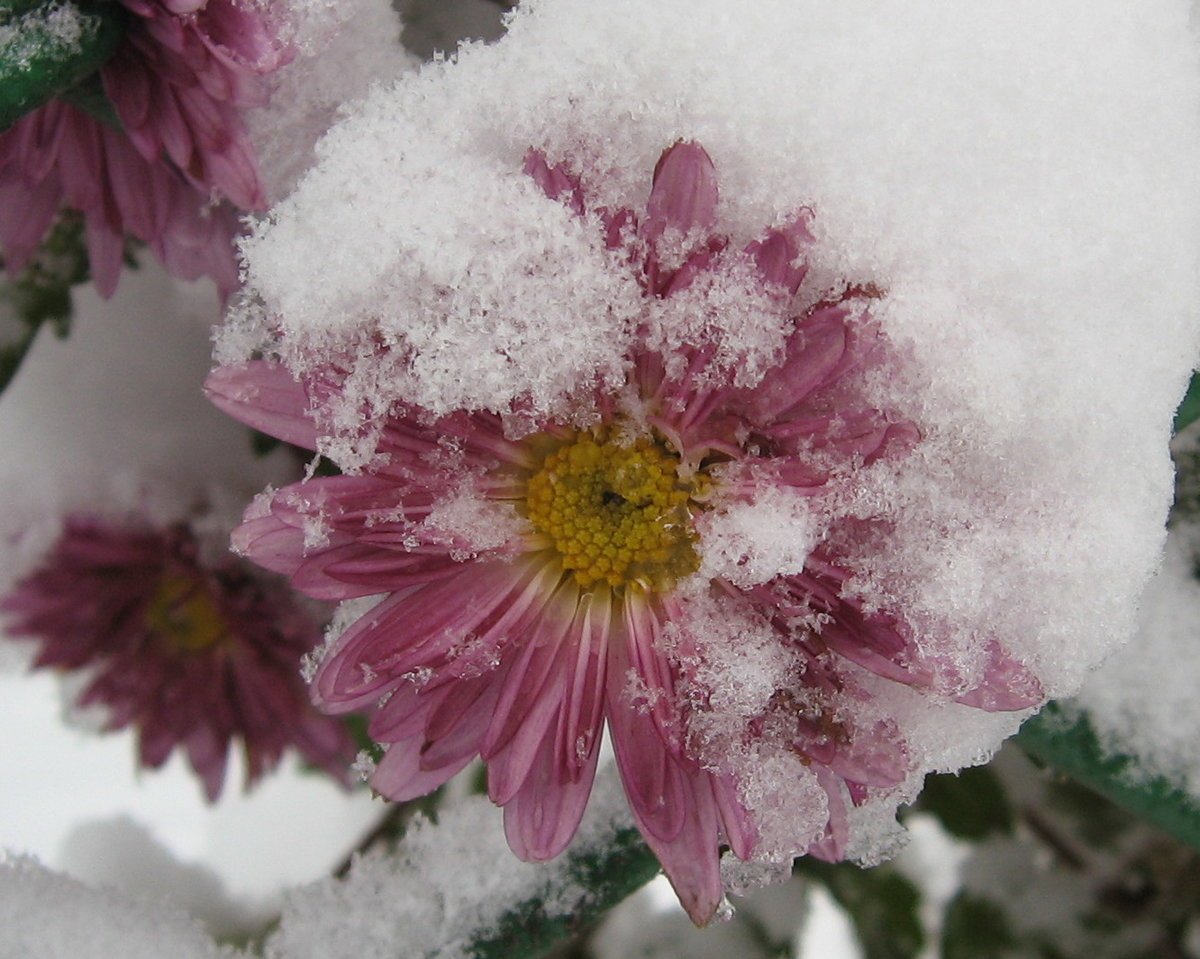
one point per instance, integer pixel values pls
(1020, 181)
(1142, 702)
(49, 916)
(443, 887)
(342, 49)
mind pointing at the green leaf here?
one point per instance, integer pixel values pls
(975, 928)
(45, 49)
(41, 294)
(1189, 409)
(969, 805)
(881, 903)
(1069, 744)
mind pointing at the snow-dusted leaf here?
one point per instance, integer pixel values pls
(45, 48)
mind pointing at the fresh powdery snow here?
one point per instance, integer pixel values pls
(44, 915)
(342, 48)
(1021, 182)
(1143, 701)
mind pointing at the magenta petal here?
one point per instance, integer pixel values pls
(555, 181)
(456, 725)
(832, 846)
(583, 704)
(407, 631)
(817, 356)
(400, 777)
(874, 757)
(542, 818)
(736, 822)
(358, 569)
(684, 192)
(1007, 685)
(534, 684)
(403, 716)
(777, 254)
(691, 860)
(266, 397)
(516, 733)
(270, 542)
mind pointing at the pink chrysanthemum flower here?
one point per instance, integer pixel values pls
(536, 587)
(182, 160)
(190, 655)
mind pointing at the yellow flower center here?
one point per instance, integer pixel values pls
(182, 612)
(616, 513)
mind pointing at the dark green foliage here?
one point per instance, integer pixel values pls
(1097, 822)
(1189, 409)
(970, 805)
(41, 294)
(976, 929)
(880, 902)
(1069, 744)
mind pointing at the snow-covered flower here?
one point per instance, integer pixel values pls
(614, 563)
(182, 160)
(190, 653)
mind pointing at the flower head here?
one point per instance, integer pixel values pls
(190, 654)
(179, 165)
(670, 557)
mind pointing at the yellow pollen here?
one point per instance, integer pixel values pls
(617, 514)
(183, 613)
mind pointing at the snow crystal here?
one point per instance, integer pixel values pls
(749, 543)
(48, 916)
(54, 29)
(465, 517)
(1021, 181)
(343, 49)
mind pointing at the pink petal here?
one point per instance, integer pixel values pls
(400, 777)
(777, 253)
(542, 818)
(690, 859)
(266, 397)
(555, 181)
(684, 192)
(410, 630)
(1007, 685)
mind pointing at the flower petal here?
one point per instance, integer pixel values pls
(684, 192)
(266, 397)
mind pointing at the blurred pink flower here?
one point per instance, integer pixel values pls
(181, 164)
(574, 598)
(191, 655)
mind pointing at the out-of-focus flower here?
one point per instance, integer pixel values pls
(190, 654)
(181, 162)
(534, 587)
